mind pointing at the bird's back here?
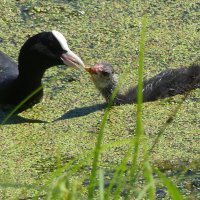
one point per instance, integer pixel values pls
(166, 84)
(172, 82)
(8, 71)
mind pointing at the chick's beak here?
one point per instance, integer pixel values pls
(72, 60)
(91, 70)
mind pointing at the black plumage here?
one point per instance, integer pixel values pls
(38, 53)
(166, 84)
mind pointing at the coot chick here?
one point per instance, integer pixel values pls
(166, 84)
(38, 53)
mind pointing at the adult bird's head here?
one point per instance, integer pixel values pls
(45, 50)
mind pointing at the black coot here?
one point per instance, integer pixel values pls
(38, 53)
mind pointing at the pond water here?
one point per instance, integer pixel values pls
(70, 115)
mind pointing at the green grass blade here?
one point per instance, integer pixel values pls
(147, 170)
(97, 150)
(143, 192)
(97, 155)
(148, 174)
(172, 189)
(117, 177)
(139, 126)
(101, 184)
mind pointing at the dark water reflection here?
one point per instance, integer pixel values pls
(5, 111)
(16, 119)
(82, 111)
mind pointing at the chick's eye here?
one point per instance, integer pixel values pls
(105, 73)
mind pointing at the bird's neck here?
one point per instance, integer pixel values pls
(108, 90)
(30, 77)
(121, 98)
(27, 83)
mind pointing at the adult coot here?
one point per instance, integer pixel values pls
(39, 52)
